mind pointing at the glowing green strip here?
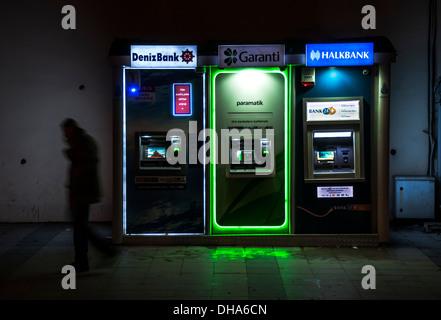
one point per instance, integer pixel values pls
(212, 153)
(288, 161)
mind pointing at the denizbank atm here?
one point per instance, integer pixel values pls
(162, 101)
(249, 166)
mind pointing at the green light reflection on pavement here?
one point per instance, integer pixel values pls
(233, 253)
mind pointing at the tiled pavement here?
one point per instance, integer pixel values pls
(32, 256)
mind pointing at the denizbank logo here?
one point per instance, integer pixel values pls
(163, 56)
(251, 56)
(339, 54)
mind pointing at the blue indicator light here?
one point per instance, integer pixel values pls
(339, 54)
(133, 89)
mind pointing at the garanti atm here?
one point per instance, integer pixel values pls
(249, 111)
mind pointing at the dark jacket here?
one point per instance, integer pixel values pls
(84, 184)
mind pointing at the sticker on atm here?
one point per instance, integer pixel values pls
(335, 192)
(182, 99)
(332, 110)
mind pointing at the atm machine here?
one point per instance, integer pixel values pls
(163, 192)
(334, 132)
(334, 101)
(249, 166)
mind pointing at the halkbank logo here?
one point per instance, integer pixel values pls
(315, 55)
(339, 54)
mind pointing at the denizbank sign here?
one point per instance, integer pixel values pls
(339, 54)
(251, 56)
(163, 56)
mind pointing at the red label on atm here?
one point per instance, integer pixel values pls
(182, 99)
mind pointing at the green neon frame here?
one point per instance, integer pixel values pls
(215, 228)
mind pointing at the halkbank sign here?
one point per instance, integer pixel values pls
(251, 56)
(339, 54)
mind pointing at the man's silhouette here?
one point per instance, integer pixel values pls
(84, 188)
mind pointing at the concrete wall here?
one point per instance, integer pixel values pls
(42, 67)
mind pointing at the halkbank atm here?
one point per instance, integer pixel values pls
(249, 168)
(337, 101)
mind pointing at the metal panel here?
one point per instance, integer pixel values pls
(414, 197)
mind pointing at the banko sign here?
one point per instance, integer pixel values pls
(339, 54)
(163, 56)
(251, 56)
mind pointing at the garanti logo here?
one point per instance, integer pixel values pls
(251, 56)
(231, 56)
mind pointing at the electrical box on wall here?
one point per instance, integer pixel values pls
(414, 197)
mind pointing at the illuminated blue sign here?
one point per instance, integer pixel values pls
(339, 54)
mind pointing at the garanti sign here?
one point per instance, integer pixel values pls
(339, 54)
(163, 56)
(251, 56)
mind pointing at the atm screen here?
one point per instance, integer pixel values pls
(155, 153)
(325, 155)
